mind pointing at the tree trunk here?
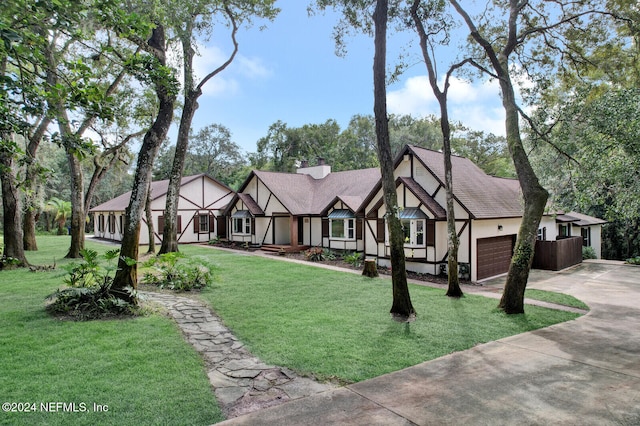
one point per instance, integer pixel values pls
(150, 228)
(29, 242)
(77, 206)
(32, 183)
(535, 196)
(170, 232)
(535, 200)
(13, 244)
(453, 242)
(401, 309)
(127, 273)
(370, 268)
(453, 280)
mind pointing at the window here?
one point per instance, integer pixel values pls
(204, 223)
(342, 224)
(414, 226)
(586, 236)
(160, 228)
(242, 225)
(343, 228)
(564, 231)
(101, 223)
(542, 233)
(413, 232)
(241, 222)
(112, 224)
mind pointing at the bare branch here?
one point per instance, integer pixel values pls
(234, 31)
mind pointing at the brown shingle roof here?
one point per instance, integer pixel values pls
(158, 189)
(482, 195)
(303, 195)
(579, 219)
(251, 204)
(426, 199)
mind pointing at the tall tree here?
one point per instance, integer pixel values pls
(401, 308)
(593, 111)
(85, 66)
(372, 19)
(197, 17)
(535, 196)
(430, 11)
(213, 152)
(533, 36)
(22, 110)
(13, 251)
(165, 85)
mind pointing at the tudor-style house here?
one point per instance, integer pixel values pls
(312, 207)
(202, 198)
(316, 207)
(345, 210)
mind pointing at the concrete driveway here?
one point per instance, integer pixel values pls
(583, 372)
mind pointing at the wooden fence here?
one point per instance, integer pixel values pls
(557, 255)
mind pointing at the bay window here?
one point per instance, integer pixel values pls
(414, 227)
(241, 222)
(342, 224)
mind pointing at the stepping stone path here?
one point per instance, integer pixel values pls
(241, 382)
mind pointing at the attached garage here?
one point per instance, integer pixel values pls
(494, 255)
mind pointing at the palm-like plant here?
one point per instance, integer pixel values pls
(61, 209)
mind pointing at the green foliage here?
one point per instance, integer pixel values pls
(195, 274)
(588, 252)
(633, 260)
(88, 295)
(314, 254)
(329, 254)
(355, 259)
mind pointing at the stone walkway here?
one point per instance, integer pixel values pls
(241, 382)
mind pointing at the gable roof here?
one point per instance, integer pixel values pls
(251, 204)
(482, 195)
(579, 219)
(301, 194)
(438, 211)
(158, 189)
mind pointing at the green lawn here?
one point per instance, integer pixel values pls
(337, 325)
(557, 298)
(315, 321)
(141, 369)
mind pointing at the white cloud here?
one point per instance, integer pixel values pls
(253, 67)
(229, 81)
(477, 105)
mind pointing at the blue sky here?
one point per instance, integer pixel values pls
(289, 72)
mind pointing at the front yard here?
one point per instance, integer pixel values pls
(327, 324)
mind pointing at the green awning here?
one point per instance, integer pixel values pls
(341, 214)
(412, 213)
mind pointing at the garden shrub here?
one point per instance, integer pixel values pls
(634, 260)
(329, 254)
(588, 252)
(355, 259)
(195, 274)
(88, 295)
(314, 254)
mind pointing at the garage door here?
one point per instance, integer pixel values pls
(494, 255)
